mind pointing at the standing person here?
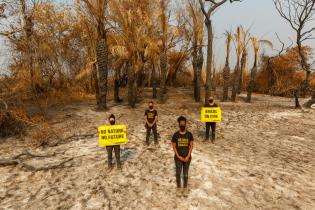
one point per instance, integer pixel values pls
(182, 142)
(110, 149)
(210, 124)
(151, 118)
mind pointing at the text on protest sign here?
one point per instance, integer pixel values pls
(211, 114)
(112, 135)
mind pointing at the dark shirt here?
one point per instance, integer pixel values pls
(150, 115)
(182, 142)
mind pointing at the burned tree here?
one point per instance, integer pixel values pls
(299, 14)
(213, 6)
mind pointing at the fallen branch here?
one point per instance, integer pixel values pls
(44, 168)
(16, 161)
(27, 153)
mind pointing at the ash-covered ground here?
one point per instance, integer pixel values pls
(263, 158)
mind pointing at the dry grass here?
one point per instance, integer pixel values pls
(13, 123)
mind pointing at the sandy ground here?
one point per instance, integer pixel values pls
(264, 158)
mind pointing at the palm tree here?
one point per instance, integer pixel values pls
(256, 47)
(152, 52)
(239, 47)
(244, 59)
(226, 70)
(134, 21)
(96, 9)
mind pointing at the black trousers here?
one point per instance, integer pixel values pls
(110, 149)
(154, 128)
(182, 166)
(212, 125)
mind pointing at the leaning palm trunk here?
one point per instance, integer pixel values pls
(251, 85)
(226, 78)
(163, 64)
(102, 71)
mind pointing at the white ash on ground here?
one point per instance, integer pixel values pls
(264, 158)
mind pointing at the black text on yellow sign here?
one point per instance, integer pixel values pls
(213, 114)
(110, 135)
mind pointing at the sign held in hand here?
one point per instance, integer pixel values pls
(211, 114)
(110, 135)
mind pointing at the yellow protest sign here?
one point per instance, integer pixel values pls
(211, 114)
(110, 135)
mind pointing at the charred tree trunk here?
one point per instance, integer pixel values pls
(226, 78)
(242, 70)
(309, 103)
(209, 59)
(198, 75)
(235, 81)
(102, 71)
(251, 84)
(214, 79)
(163, 64)
(96, 83)
(117, 83)
(174, 78)
(154, 82)
(132, 87)
(197, 66)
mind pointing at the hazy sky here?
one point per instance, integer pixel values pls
(260, 15)
(262, 18)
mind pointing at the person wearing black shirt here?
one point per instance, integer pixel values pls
(210, 124)
(151, 118)
(110, 149)
(182, 142)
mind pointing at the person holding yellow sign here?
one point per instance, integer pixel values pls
(182, 142)
(211, 125)
(110, 149)
(151, 118)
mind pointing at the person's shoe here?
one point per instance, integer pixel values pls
(110, 166)
(185, 191)
(119, 166)
(179, 191)
(212, 140)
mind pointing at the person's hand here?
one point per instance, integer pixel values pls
(186, 159)
(181, 158)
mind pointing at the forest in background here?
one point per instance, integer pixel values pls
(64, 53)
